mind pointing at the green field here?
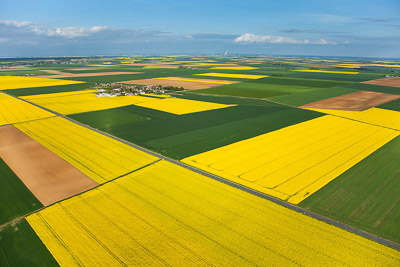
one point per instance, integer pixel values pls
(254, 90)
(288, 81)
(303, 98)
(393, 105)
(49, 89)
(376, 88)
(185, 135)
(15, 199)
(367, 196)
(22, 72)
(337, 77)
(20, 246)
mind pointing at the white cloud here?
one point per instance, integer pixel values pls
(273, 39)
(18, 24)
(3, 40)
(72, 32)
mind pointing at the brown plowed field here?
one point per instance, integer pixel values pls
(60, 74)
(78, 69)
(394, 82)
(46, 175)
(357, 101)
(185, 84)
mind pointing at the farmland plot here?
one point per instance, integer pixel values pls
(16, 82)
(294, 162)
(13, 110)
(167, 215)
(99, 157)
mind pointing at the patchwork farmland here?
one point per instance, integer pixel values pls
(211, 161)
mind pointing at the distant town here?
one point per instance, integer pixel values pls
(116, 89)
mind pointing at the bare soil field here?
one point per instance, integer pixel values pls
(206, 83)
(60, 74)
(394, 82)
(78, 69)
(46, 175)
(357, 101)
(19, 67)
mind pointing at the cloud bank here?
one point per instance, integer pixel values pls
(273, 39)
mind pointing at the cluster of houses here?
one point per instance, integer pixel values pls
(115, 89)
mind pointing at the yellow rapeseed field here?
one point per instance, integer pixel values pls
(358, 65)
(193, 80)
(234, 68)
(375, 116)
(294, 162)
(231, 75)
(16, 82)
(99, 157)
(83, 101)
(13, 110)
(164, 214)
(328, 71)
(162, 96)
(181, 106)
(55, 95)
(99, 65)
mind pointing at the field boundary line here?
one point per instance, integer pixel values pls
(285, 204)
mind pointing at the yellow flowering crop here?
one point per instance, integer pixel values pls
(164, 214)
(83, 101)
(181, 106)
(294, 162)
(234, 68)
(374, 116)
(328, 71)
(193, 80)
(162, 96)
(99, 65)
(13, 110)
(16, 82)
(231, 75)
(99, 157)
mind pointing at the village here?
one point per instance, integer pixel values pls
(116, 89)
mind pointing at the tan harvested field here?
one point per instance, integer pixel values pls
(357, 101)
(394, 82)
(78, 69)
(193, 85)
(60, 74)
(19, 67)
(45, 174)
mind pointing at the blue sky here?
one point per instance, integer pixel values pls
(292, 27)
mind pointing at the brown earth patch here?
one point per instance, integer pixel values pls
(46, 175)
(78, 69)
(185, 84)
(394, 82)
(60, 74)
(357, 101)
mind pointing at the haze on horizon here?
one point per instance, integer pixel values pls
(77, 28)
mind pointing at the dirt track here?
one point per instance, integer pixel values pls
(184, 84)
(357, 101)
(46, 175)
(60, 74)
(394, 82)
